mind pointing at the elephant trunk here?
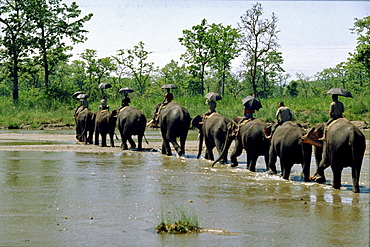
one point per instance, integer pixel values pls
(200, 144)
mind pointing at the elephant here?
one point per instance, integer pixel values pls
(131, 122)
(105, 123)
(251, 136)
(85, 125)
(213, 129)
(344, 146)
(174, 121)
(287, 143)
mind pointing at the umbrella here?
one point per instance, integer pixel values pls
(213, 96)
(76, 94)
(252, 103)
(170, 86)
(340, 91)
(82, 96)
(126, 90)
(104, 85)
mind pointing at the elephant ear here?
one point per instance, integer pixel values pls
(314, 135)
(232, 128)
(267, 130)
(197, 122)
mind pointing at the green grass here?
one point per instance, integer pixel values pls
(179, 220)
(305, 110)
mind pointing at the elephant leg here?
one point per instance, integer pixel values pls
(285, 170)
(356, 178)
(124, 140)
(132, 143)
(209, 148)
(319, 177)
(183, 142)
(111, 136)
(103, 139)
(166, 148)
(272, 162)
(267, 160)
(337, 176)
(219, 147)
(97, 133)
(140, 142)
(253, 162)
(236, 153)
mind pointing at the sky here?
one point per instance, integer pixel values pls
(314, 35)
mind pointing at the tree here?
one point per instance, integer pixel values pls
(97, 68)
(137, 67)
(199, 50)
(15, 40)
(362, 29)
(53, 24)
(270, 69)
(226, 49)
(259, 37)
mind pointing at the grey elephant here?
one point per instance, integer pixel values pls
(85, 125)
(249, 135)
(105, 124)
(213, 129)
(344, 147)
(131, 121)
(287, 144)
(174, 121)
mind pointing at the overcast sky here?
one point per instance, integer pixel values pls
(314, 35)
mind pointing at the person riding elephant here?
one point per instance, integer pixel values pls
(336, 111)
(287, 144)
(131, 121)
(250, 135)
(344, 146)
(283, 114)
(105, 123)
(84, 104)
(174, 121)
(213, 129)
(85, 125)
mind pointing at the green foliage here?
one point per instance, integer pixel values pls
(179, 220)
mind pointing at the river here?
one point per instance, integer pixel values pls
(74, 198)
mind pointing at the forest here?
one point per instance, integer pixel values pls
(37, 73)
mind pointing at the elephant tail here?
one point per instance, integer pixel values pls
(351, 145)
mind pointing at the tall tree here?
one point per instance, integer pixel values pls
(15, 40)
(259, 37)
(199, 50)
(97, 68)
(226, 49)
(135, 60)
(55, 23)
(362, 29)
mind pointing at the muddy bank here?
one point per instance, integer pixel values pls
(68, 143)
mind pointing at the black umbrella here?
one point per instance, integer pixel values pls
(126, 90)
(170, 86)
(213, 96)
(104, 85)
(76, 94)
(340, 91)
(252, 103)
(82, 96)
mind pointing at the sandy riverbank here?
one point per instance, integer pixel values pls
(68, 143)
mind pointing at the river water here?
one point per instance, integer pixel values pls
(117, 199)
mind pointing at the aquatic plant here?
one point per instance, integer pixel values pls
(182, 220)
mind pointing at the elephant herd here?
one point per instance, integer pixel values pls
(343, 146)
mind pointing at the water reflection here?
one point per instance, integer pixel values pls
(105, 199)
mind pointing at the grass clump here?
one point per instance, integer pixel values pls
(180, 221)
